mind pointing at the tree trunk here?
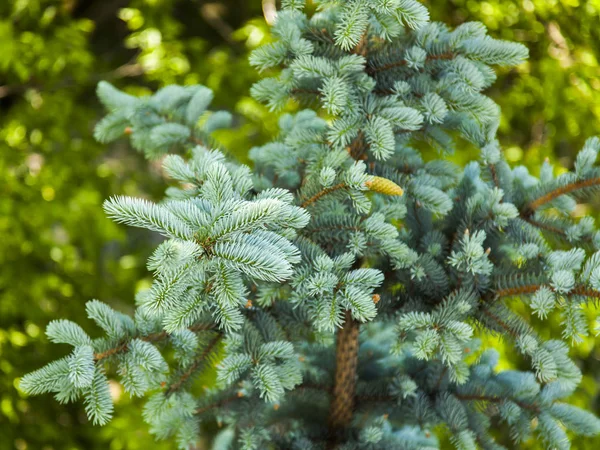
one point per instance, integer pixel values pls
(346, 358)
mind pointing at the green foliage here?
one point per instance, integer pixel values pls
(551, 107)
(53, 56)
(263, 269)
(56, 176)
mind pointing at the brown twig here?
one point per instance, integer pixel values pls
(305, 91)
(363, 45)
(500, 322)
(153, 337)
(441, 377)
(194, 366)
(322, 193)
(489, 398)
(543, 226)
(494, 173)
(516, 290)
(571, 187)
(402, 62)
(333, 228)
(531, 288)
(112, 351)
(217, 404)
(357, 147)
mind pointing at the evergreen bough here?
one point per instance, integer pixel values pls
(337, 286)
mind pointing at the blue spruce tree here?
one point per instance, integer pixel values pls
(337, 286)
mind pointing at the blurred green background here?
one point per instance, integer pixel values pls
(57, 250)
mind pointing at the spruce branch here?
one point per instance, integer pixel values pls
(372, 70)
(494, 318)
(198, 362)
(494, 174)
(535, 204)
(494, 399)
(532, 288)
(543, 226)
(218, 404)
(323, 193)
(153, 337)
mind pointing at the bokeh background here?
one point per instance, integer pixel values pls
(57, 250)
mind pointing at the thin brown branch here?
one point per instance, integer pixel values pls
(586, 292)
(126, 70)
(441, 377)
(571, 187)
(363, 45)
(305, 91)
(197, 141)
(463, 397)
(531, 288)
(212, 13)
(357, 147)
(153, 337)
(362, 399)
(518, 290)
(218, 404)
(500, 322)
(333, 228)
(112, 351)
(494, 173)
(322, 193)
(321, 34)
(316, 387)
(556, 230)
(373, 70)
(195, 365)
(489, 398)
(543, 226)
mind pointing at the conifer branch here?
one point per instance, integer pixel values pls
(305, 91)
(533, 205)
(322, 193)
(153, 337)
(494, 399)
(363, 45)
(333, 228)
(373, 70)
(218, 404)
(500, 322)
(195, 365)
(494, 173)
(543, 226)
(532, 288)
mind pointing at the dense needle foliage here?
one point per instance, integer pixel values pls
(337, 287)
(62, 247)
